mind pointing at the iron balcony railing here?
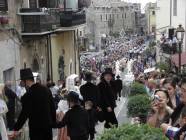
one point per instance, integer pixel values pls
(37, 20)
(72, 18)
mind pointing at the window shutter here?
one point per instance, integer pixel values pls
(3, 5)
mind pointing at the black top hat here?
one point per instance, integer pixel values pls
(73, 97)
(108, 71)
(118, 77)
(26, 74)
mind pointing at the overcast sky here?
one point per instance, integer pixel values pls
(143, 2)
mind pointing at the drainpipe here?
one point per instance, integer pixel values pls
(48, 58)
(50, 50)
(170, 13)
(75, 45)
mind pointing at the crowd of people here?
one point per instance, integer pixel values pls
(168, 94)
(74, 117)
(169, 45)
(129, 47)
(75, 113)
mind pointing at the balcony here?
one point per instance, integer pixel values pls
(71, 18)
(39, 21)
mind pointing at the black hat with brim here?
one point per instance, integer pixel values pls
(26, 74)
(118, 77)
(108, 71)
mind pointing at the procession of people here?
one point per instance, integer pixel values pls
(76, 111)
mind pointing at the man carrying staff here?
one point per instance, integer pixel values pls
(38, 107)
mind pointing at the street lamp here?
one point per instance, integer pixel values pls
(180, 35)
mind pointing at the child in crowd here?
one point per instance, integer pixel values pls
(92, 118)
(76, 119)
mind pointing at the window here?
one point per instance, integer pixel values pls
(122, 16)
(125, 15)
(3, 5)
(101, 17)
(153, 13)
(8, 75)
(42, 3)
(106, 17)
(33, 4)
(174, 7)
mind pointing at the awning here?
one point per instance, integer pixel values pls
(175, 59)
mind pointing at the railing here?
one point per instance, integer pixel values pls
(71, 18)
(167, 49)
(38, 20)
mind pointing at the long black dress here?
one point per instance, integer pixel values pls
(107, 97)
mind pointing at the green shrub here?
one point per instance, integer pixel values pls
(138, 106)
(163, 66)
(133, 132)
(137, 89)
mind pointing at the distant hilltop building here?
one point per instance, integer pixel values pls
(110, 17)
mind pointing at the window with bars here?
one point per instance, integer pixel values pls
(3, 5)
(175, 7)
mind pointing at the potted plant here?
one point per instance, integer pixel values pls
(133, 132)
(139, 106)
(137, 88)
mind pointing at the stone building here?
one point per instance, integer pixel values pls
(169, 15)
(150, 12)
(46, 34)
(109, 17)
(9, 44)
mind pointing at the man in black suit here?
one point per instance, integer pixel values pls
(90, 92)
(38, 107)
(119, 86)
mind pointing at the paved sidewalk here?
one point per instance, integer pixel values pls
(120, 114)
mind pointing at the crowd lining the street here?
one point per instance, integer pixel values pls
(75, 113)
